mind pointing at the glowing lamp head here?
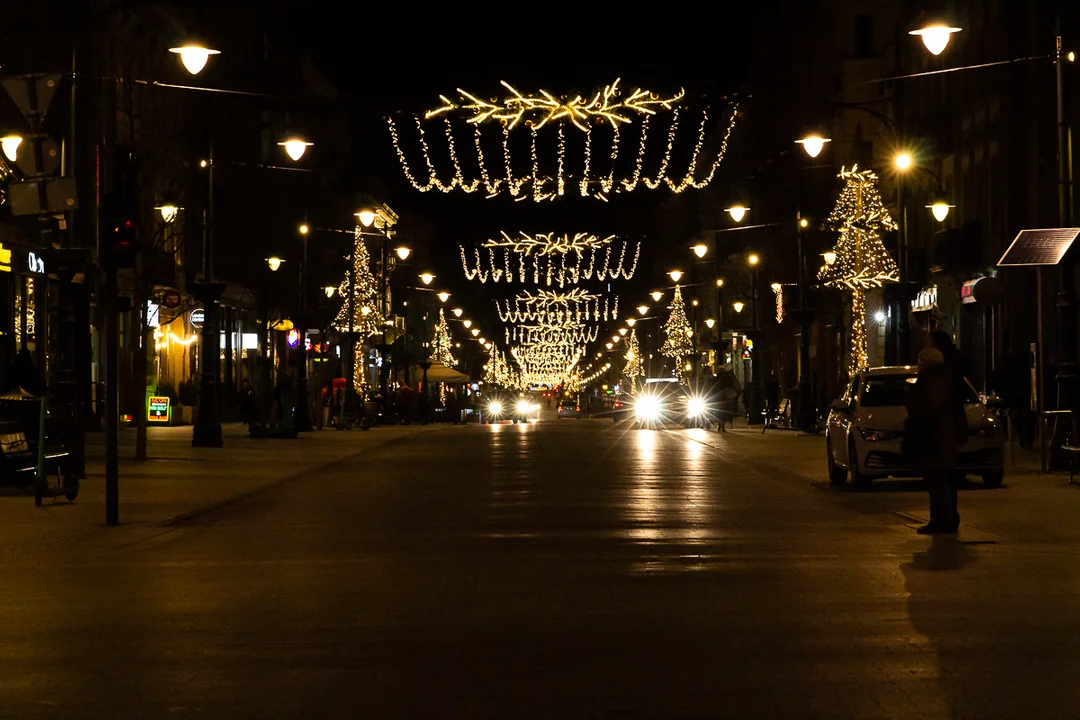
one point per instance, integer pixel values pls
(366, 217)
(935, 37)
(482, 341)
(719, 282)
(700, 250)
(623, 331)
(642, 309)
(426, 278)
(657, 296)
(365, 310)
(274, 263)
(737, 212)
(615, 338)
(940, 207)
(329, 290)
(403, 253)
(903, 161)
(752, 259)
(879, 316)
(458, 312)
(609, 345)
(776, 287)
(689, 332)
(709, 323)
(295, 148)
(813, 144)
(304, 229)
(829, 257)
(443, 296)
(804, 223)
(631, 321)
(675, 275)
(738, 306)
(475, 332)
(194, 57)
(467, 323)
(10, 146)
(168, 212)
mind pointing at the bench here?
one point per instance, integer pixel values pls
(1073, 453)
(19, 461)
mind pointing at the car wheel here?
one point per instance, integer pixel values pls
(993, 479)
(837, 474)
(860, 481)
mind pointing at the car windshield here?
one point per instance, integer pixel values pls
(666, 390)
(891, 390)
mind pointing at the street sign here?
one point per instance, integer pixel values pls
(196, 317)
(59, 196)
(158, 410)
(32, 94)
(27, 159)
(171, 299)
(1039, 247)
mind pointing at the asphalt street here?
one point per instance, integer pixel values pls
(558, 569)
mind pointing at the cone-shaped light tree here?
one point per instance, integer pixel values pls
(634, 368)
(677, 343)
(861, 260)
(367, 320)
(442, 343)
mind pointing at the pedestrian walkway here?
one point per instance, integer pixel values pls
(177, 479)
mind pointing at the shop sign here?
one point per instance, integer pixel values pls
(925, 300)
(153, 314)
(171, 299)
(982, 290)
(293, 338)
(196, 317)
(158, 410)
(5, 259)
(35, 263)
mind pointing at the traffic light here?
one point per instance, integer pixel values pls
(120, 242)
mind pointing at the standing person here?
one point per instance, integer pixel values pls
(730, 391)
(930, 439)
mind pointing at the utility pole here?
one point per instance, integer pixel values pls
(106, 188)
(207, 429)
(805, 419)
(1066, 375)
(303, 406)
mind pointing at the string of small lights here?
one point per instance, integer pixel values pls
(545, 269)
(677, 331)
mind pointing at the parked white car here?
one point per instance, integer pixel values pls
(866, 426)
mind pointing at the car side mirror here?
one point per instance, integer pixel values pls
(840, 406)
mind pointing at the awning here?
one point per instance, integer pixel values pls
(437, 373)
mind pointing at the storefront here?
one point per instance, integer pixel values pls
(979, 335)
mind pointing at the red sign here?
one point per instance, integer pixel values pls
(171, 299)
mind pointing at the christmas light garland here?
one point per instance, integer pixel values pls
(442, 344)
(575, 306)
(543, 187)
(634, 367)
(547, 268)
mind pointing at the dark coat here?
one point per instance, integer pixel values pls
(931, 431)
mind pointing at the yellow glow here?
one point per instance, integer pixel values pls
(829, 257)
(467, 323)
(403, 253)
(940, 210)
(194, 57)
(737, 212)
(170, 338)
(700, 250)
(813, 144)
(803, 223)
(935, 37)
(203, 163)
(545, 107)
(657, 296)
(304, 229)
(426, 278)
(738, 306)
(10, 146)
(709, 322)
(1071, 56)
(443, 296)
(642, 309)
(753, 259)
(274, 263)
(615, 338)
(295, 148)
(631, 321)
(475, 332)
(689, 332)
(694, 302)
(776, 287)
(609, 345)
(719, 282)
(623, 331)
(366, 217)
(675, 275)
(329, 290)
(168, 212)
(903, 161)
(458, 312)
(483, 341)
(365, 310)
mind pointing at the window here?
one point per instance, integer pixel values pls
(864, 37)
(886, 390)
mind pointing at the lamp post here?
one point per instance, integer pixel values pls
(303, 409)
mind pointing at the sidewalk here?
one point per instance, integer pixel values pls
(178, 479)
(1031, 506)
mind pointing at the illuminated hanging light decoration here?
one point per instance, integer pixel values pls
(575, 305)
(634, 368)
(779, 290)
(550, 260)
(599, 119)
(860, 260)
(442, 344)
(677, 332)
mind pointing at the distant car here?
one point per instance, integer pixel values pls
(515, 409)
(568, 409)
(866, 427)
(668, 400)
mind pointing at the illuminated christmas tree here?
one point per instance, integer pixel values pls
(634, 368)
(442, 344)
(366, 318)
(677, 344)
(859, 261)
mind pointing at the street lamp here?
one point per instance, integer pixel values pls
(657, 295)
(458, 312)
(642, 309)
(467, 323)
(940, 207)
(719, 282)
(329, 290)
(295, 147)
(443, 296)
(631, 321)
(700, 250)
(194, 57)
(168, 212)
(426, 278)
(829, 257)
(475, 332)
(738, 306)
(935, 37)
(813, 144)
(752, 259)
(403, 253)
(366, 217)
(737, 212)
(304, 229)
(623, 331)
(675, 275)
(10, 145)
(903, 161)
(274, 263)
(709, 323)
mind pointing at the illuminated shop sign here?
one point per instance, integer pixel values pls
(158, 410)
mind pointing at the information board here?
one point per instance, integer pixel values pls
(158, 410)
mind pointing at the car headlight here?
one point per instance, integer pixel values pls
(695, 406)
(524, 406)
(495, 408)
(647, 407)
(878, 435)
